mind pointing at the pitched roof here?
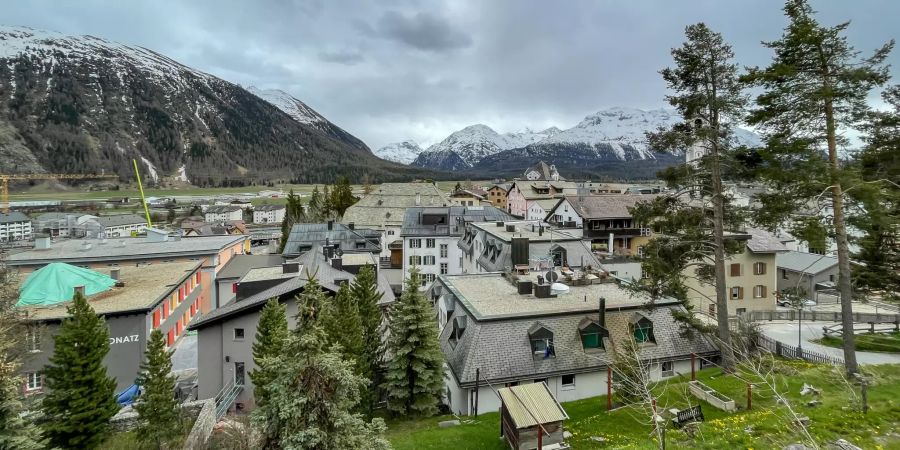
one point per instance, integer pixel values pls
(312, 263)
(263, 208)
(239, 265)
(222, 209)
(456, 219)
(809, 263)
(120, 219)
(762, 241)
(13, 216)
(605, 206)
(531, 404)
(306, 236)
(543, 169)
(386, 205)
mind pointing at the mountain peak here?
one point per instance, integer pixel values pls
(403, 152)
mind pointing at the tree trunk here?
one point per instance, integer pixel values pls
(726, 348)
(843, 250)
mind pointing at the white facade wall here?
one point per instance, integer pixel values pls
(15, 231)
(535, 211)
(390, 234)
(566, 213)
(125, 230)
(516, 203)
(453, 260)
(275, 216)
(223, 217)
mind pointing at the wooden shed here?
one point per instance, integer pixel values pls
(530, 417)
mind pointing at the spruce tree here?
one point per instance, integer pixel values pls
(327, 210)
(342, 196)
(81, 400)
(693, 219)
(414, 377)
(17, 431)
(157, 409)
(315, 390)
(364, 291)
(815, 85)
(343, 326)
(293, 214)
(271, 334)
(314, 211)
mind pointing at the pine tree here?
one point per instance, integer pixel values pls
(879, 195)
(157, 409)
(293, 214)
(271, 334)
(343, 326)
(315, 390)
(693, 219)
(342, 196)
(364, 291)
(815, 85)
(81, 399)
(16, 431)
(327, 209)
(414, 377)
(314, 211)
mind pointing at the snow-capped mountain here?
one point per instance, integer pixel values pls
(402, 152)
(614, 134)
(464, 148)
(83, 104)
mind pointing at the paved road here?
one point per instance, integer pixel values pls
(787, 333)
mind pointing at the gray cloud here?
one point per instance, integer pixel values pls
(424, 31)
(440, 65)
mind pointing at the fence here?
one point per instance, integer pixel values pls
(789, 351)
(824, 316)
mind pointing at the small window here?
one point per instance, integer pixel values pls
(741, 311)
(33, 339)
(429, 243)
(443, 250)
(668, 369)
(735, 270)
(759, 291)
(712, 309)
(643, 331)
(443, 268)
(33, 381)
(831, 278)
(415, 243)
(737, 293)
(784, 274)
(239, 334)
(568, 381)
(759, 268)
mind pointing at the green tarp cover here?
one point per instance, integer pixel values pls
(56, 283)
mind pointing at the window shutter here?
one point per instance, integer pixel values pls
(762, 268)
(735, 270)
(763, 291)
(740, 293)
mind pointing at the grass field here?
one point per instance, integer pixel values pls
(45, 192)
(867, 342)
(766, 426)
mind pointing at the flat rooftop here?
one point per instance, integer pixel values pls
(358, 259)
(121, 249)
(144, 287)
(492, 296)
(268, 273)
(528, 229)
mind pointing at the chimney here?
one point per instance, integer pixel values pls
(603, 312)
(610, 248)
(337, 263)
(114, 274)
(330, 225)
(519, 251)
(540, 230)
(418, 199)
(524, 287)
(290, 267)
(79, 290)
(499, 223)
(41, 243)
(351, 226)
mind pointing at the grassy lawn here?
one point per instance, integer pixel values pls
(867, 342)
(765, 426)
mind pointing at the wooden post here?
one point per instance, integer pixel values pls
(749, 396)
(865, 395)
(693, 367)
(609, 388)
(540, 438)
(501, 419)
(477, 379)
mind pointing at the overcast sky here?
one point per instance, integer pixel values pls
(391, 70)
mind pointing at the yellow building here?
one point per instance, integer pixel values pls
(751, 277)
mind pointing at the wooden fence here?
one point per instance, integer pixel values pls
(789, 351)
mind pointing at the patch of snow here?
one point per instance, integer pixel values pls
(150, 168)
(298, 110)
(182, 174)
(402, 152)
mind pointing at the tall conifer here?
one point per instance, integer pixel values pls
(156, 407)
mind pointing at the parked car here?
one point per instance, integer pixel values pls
(787, 303)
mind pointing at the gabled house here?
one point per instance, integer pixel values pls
(494, 333)
(605, 220)
(497, 193)
(224, 213)
(468, 197)
(522, 194)
(269, 213)
(811, 273)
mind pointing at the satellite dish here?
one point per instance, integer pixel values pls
(339, 252)
(551, 276)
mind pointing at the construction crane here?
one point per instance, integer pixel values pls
(4, 182)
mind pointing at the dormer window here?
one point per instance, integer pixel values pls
(592, 334)
(541, 342)
(642, 329)
(559, 256)
(459, 328)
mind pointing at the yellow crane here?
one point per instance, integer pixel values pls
(4, 182)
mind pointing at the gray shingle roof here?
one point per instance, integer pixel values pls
(312, 263)
(239, 265)
(386, 205)
(306, 236)
(13, 216)
(606, 206)
(762, 241)
(121, 219)
(269, 207)
(221, 209)
(502, 350)
(454, 224)
(809, 263)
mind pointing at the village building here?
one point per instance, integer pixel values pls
(229, 228)
(468, 197)
(497, 331)
(269, 213)
(223, 213)
(213, 253)
(811, 275)
(497, 193)
(15, 226)
(132, 300)
(430, 235)
(542, 172)
(605, 220)
(121, 225)
(228, 278)
(520, 245)
(530, 417)
(537, 209)
(225, 337)
(384, 209)
(306, 236)
(523, 194)
(750, 276)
